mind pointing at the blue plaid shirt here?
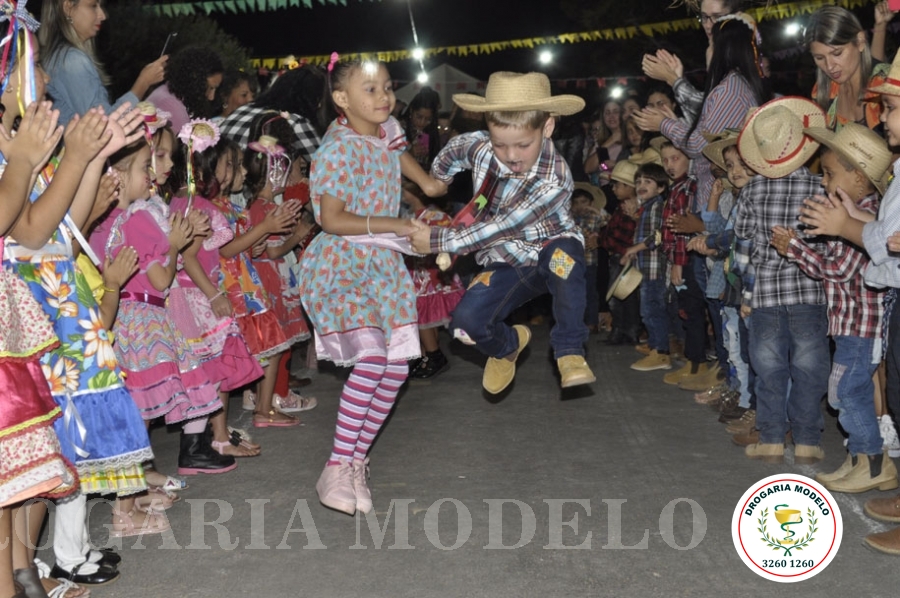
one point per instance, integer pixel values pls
(652, 261)
(528, 210)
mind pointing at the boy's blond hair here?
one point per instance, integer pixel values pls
(518, 119)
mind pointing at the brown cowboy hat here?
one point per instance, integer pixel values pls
(517, 92)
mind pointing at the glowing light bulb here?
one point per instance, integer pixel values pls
(791, 29)
(545, 57)
(422, 78)
(616, 92)
(418, 54)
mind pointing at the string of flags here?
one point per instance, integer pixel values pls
(774, 11)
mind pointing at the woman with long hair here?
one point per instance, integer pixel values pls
(845, 68)
(77, 78)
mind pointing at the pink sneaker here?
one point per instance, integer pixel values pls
(335, 488)
(363, 494)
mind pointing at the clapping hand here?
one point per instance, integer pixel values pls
(36, 138)
(116, 272)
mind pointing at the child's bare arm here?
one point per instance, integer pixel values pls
(411, 170)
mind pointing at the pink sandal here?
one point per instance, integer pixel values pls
(270, 420)
(155, 523)
(294, 403)
(156, 500)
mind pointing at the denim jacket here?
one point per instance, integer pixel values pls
(75, 85)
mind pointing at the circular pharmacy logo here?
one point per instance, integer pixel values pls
(787, 528)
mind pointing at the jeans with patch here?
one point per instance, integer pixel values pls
(500, 288)
(789, 343)
(852, 392)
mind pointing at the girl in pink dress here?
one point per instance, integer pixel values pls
(163, 377)
(268, 166)
(198, 305)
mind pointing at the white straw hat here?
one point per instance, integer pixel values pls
(860, 146)
(516, 92)
(598, 197)
(772, 141)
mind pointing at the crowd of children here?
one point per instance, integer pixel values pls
(149, 274)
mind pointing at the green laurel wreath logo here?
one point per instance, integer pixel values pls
(777, 544)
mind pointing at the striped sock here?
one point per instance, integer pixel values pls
(382, 402)
(354, 406)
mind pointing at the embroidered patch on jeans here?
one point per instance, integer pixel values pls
(561, 264)
(484, 278)
(462, 336)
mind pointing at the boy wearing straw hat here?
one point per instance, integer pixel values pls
(526, 240)
(616, 238)
(788, 337)
(856, 160)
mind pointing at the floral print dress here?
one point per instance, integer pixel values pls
(360, 298)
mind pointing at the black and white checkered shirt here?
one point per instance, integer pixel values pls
(237, 128)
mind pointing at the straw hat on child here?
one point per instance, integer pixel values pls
(715, 149)
(861, 147)
(624, 172)
(518, 92)
(648, 156)
(598, 197)
(891, 85)
(772, 141)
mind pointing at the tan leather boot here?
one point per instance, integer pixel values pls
(869, 472)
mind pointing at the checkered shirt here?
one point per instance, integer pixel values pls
(679, 202)
(587, 224)
(237, 128)
(618, 235)
(528, 210)
(651, 261)
(853, 308)
(766, 203)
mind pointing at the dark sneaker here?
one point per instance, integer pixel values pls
(430, 366)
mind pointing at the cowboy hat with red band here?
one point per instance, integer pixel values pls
(891, 84)
(772, 141)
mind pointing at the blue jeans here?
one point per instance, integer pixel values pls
(851, 391)
(499, 289)
(654, 313)
(788, 344)
(732, 337)
(592, 309)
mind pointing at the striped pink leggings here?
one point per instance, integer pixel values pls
(366, 401)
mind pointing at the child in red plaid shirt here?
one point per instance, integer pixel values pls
(854, 160)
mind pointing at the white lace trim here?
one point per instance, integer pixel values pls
(90, 466)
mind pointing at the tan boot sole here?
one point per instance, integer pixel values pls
(578, 380)
(879, 517)
(883, 486)
(881, 549)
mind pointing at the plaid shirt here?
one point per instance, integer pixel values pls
(679, 202)
(527, 212)
(618, 235)
(587, 224)
(853, 309)
(237, 128)
(651, 261)
(726, 106)
(766, 203)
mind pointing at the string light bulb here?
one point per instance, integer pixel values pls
(545, 57)
(422, 77)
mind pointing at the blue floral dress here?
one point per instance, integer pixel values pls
(360, 298)
(101, 430)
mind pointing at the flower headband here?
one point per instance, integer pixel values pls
(18, 18)
(154, 119)
(278, 163)
(197, 135)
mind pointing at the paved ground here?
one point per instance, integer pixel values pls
(629, 438)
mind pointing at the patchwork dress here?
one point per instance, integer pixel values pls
(164, 378)
(360, 298)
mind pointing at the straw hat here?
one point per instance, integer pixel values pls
(715, 149)
(648, 156)
(624, 172)
(657, 143)
(598, 197)
(515, 92)
(625, 283)
(772, 141)
(861, 147)
(891, 85)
